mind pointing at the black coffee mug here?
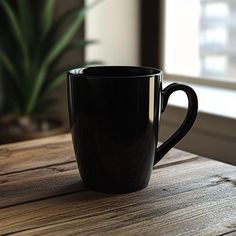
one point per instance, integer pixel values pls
(114, 118)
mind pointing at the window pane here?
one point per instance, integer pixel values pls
(216, 9)
(200, 38)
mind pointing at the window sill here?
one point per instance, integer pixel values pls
(214, 101)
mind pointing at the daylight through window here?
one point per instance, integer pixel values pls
(200, 38)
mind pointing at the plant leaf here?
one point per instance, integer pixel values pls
(76, 46)
(62, 19)
(60, 75)
(66, 37)
(51, 36)
(56, 82)
(25, 19)
(16, 30)
(69, 34)
(47, 16)
(6, 62)
(55, 51)
(36, 89)
(82, 43)
(57, 48)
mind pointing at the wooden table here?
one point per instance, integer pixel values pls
(41, 194)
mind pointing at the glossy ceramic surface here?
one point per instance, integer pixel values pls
(114, 117)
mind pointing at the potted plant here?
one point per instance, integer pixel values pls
(32, 41)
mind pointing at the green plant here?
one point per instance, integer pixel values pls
(32, 42)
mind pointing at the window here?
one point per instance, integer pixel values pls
(200, 38)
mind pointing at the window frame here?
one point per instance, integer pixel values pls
(152, 40)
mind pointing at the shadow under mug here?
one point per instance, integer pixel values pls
(114, 116)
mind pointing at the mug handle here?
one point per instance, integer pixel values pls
(187, 123)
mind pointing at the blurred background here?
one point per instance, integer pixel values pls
(192, 41)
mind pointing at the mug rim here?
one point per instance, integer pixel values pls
(146, 71)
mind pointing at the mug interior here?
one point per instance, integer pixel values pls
(116, 71)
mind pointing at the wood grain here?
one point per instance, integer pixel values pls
(133, 221)
(54, 173)
(41, 193)
(35, 154)
(38, 184)
(193, 197)
(175, 156)
(40, 153)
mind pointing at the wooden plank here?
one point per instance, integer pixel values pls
(35, 154)
(188, 221)
(57, 179)
(192, 197)
(176, 156)
(55, 150)
(37, 142)
(38, 184)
